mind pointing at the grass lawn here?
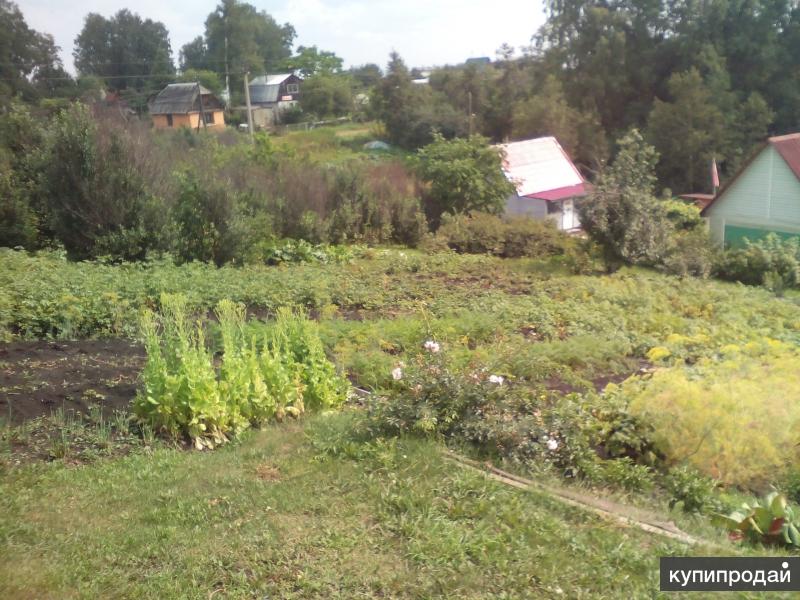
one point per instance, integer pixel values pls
(275, 517)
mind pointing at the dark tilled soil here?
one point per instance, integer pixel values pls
(37, 378)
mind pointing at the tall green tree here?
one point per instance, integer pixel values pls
(126, 51)
(688, 131)
(622, 213)
(310, 60)
(25, 57)
(239, 38)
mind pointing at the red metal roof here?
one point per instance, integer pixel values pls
(788, 146)
(699, 200)
(561, 193)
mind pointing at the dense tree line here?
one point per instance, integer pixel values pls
(701, 80)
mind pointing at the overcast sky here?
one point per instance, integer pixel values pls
(424, 32)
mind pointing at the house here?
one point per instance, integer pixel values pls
(763, 197)
(548, 183)
(180, 104)
(272, 94)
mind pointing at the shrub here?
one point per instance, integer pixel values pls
(691, 253)
(690, 490)
(772, 262)
(770, 520)
(733, 419)
(464, 175)
(482, 233)
(94, 183)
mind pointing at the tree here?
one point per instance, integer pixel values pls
(239, 38)
(547, 113)
(309, 60)
(367, 76)
(412, 113)
(25, 54)
(326, 95)
(127, 52)
(463, 175)
(93, 181)
(208, 79)
(622, 214)
(688, 132)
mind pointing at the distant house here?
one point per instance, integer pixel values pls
(763, 197)
(699, 200)
(270, 95)
(180, 104)
(548, 183)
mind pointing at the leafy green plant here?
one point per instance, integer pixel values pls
(770, 520)
(690, 490)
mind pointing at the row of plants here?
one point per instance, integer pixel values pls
(184, 393)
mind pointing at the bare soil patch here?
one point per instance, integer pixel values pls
(39, 377)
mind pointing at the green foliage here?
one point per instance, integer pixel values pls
(326, 95)
(208, 79)
(770, 520)
(241, 38)
(182, 394)
(717, 417)
(97, 206)
(122, 47)
(622, 214)
(772, 262)
(464, 175)
(690, 490)
(482, 233)
(310, 61)
(25, 53)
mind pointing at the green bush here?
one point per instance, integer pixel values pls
(772, 262)
(509, 237)
(690, 490)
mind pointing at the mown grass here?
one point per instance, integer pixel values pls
(275, 517)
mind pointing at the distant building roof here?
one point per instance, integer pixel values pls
(421, 81)
(178, 98)
(480, 60)
(788, 146)
(265, 88)
(699, 200)
(541, 169)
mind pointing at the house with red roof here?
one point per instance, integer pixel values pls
(763, 197)
(548, 184)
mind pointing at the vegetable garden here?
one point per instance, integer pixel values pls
(673, 394)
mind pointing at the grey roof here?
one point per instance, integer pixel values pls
(177, 98)
(266, 88)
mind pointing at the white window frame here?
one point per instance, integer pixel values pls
(292, 88)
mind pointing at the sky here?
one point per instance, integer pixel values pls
(424, 32)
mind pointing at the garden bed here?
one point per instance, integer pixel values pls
(37, 378)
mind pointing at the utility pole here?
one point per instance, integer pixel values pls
(202, 108)
(469, 98)
(227, 74)
(249, 111)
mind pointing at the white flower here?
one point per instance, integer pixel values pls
(498, 379)
(552, 444)
(432, 346)
(397, 373)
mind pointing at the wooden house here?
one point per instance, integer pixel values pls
(181, 104)
(763, 197)
(548, 183)
(270, 95)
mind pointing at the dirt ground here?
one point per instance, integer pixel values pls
(37, 378)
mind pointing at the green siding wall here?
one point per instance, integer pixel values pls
(765, 197)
